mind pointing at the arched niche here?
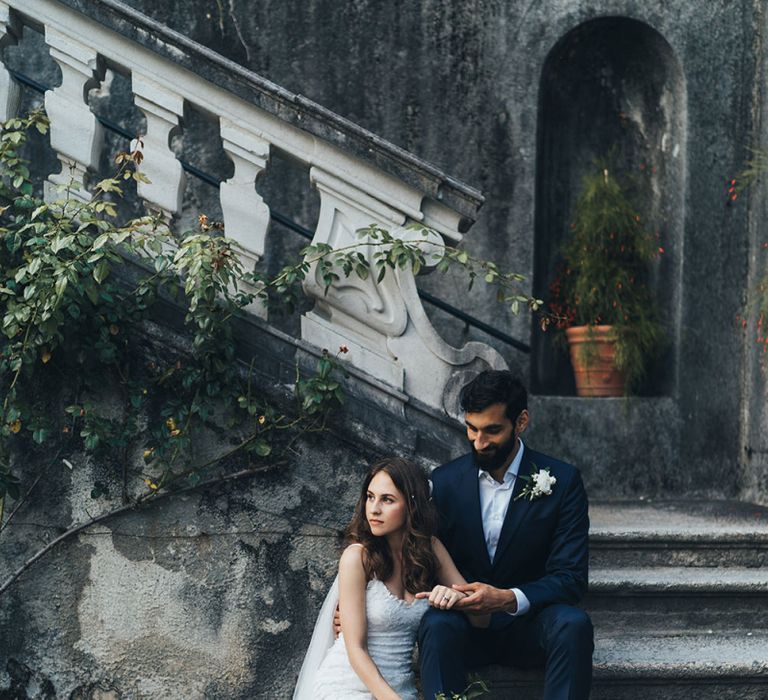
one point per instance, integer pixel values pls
(611, 86)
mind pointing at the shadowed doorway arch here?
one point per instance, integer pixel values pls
(611, 87)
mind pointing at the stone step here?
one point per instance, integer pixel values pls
(678, 533)
(679, 598)
(658, 667)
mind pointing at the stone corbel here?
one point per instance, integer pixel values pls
(246, 215)
(10, 92)
(361, 314)
(383, 324)
(76, 134)
(163, 109)
(437, 370)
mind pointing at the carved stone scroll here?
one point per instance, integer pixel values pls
(383, 323)
(361, 314)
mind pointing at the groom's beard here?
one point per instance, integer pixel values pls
(492, 459)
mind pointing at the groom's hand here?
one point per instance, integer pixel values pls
(336, 622)
(482, 598)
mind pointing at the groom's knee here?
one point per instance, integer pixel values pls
(571, 628)
(442, 627)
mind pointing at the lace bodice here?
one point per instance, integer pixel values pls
(392, 628)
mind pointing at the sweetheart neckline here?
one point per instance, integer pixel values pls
(392, 595)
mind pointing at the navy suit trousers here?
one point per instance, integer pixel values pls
(558, 637)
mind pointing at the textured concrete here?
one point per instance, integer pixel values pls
(677, 517)
(676, 599)
(669, 622)
(678, 533)
(626, 667)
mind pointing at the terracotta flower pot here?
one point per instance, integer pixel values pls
(592, 357)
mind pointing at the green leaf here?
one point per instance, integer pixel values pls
(61, 243)
(92, 294)
(99, 489)
(61, 285)
(101, 241)
(262, 448)
(101, 271)
(38, 211)
(91, 440)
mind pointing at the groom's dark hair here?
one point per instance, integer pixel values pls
(494, 386)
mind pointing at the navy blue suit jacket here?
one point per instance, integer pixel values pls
(543, 549)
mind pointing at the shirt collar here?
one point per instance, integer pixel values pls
(511, 474)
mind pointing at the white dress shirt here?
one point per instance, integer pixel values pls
(495, 498)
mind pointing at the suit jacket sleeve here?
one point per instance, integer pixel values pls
(566, 569)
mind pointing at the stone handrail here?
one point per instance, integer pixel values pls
(361, 178)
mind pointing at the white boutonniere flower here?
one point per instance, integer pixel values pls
(539, 484)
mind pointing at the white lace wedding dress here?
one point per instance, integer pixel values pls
(392, 628)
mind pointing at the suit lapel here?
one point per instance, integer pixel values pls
(517, 509)
(469, 491)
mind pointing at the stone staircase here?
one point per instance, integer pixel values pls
(679, 599)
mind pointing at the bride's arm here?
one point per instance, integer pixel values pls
(448, 575)
(352, 587)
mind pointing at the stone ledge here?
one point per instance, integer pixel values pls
(699, 519)
(732, 666)
(669, 580)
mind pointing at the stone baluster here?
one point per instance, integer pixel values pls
(246, 215)
(10, 31)
(163, 109)
(76, 134)
(383, 324)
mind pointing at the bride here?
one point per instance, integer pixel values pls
(391, 571)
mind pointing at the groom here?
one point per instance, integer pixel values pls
(522, 546)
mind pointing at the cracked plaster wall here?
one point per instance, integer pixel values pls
(211, 595)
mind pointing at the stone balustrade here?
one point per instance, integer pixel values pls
(361, 179)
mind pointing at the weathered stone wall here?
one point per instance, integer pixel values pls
(460, 85)
(211, 595)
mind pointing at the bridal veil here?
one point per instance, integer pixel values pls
(322, 640)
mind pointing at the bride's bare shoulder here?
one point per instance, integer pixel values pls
(352, 562)
(354, 552)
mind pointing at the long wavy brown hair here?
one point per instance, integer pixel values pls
(419, 565)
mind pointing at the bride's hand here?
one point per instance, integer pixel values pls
(442, 597)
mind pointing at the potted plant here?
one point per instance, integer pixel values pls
(601, 297)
